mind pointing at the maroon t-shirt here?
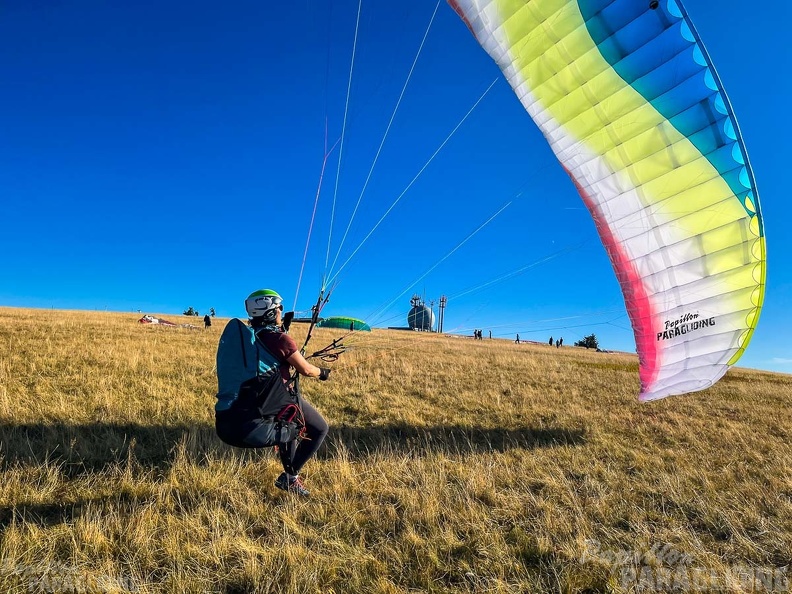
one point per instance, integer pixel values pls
(282, 346)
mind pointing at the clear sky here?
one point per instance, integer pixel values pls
(156, 155)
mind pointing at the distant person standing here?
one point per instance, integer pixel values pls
(561, 341)
(207, 321)
(490, 334)
(551, 341)
(517, 340)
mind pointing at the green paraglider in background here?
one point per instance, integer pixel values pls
(351, 324)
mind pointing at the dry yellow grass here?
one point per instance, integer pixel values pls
(452, 466)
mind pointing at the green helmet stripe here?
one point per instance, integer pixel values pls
(263, 293)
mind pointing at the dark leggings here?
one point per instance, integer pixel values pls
(294, 456)
(245, 429)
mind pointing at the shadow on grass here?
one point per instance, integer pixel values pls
(58, 512)
(78, 449)
(450, 440)
(75, 451)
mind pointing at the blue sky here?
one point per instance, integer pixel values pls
(160, 155)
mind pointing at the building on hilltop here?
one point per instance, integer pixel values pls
(421, 316)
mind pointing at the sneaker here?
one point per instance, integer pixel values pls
(293, 485)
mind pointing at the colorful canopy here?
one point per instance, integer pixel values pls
(629, 101)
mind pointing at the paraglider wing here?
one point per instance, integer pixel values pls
(351, 324)
(628, 99)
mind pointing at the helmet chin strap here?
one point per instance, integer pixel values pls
(261, 321)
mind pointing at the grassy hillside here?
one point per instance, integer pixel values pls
(452, 465)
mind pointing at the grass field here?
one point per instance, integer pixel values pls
(452, 465)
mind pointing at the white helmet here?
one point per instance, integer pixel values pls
(264, 304)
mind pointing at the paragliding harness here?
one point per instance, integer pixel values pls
(256, 408)
(264, 397)
(278, 407)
